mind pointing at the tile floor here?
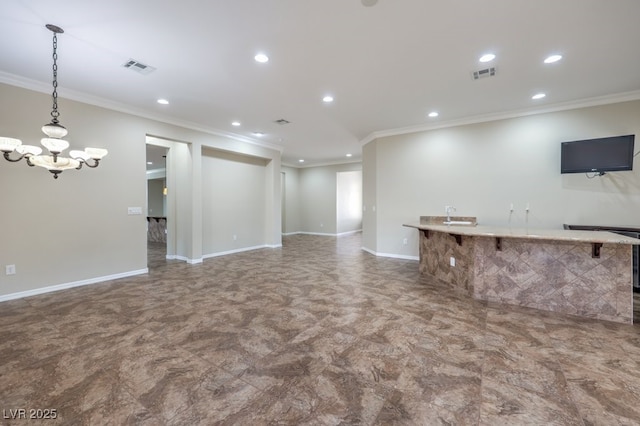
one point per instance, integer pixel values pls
(318, 332)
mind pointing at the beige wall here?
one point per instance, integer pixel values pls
(75, 230)
(482, 168)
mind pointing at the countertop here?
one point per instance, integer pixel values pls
(603, 237)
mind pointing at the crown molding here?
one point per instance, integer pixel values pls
(38, 86)
(325, 164)
(561, 106)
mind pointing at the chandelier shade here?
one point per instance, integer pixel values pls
(28, 150)
(57, 165)
(8, 145)
(54, 131)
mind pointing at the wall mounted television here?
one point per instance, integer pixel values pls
(612, 154)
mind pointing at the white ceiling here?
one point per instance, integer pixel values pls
(387, 65)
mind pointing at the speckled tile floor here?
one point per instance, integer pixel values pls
(318, 332)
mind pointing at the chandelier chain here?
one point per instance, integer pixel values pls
(54, 112)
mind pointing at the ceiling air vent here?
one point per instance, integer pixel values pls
(282, 122)
(487, 72)
(139, 67)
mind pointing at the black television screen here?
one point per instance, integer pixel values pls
(597, 155)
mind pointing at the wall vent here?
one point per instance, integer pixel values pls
(282, 122)
(139, 67)
(484, 73)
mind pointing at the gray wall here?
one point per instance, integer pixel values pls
(233, 201)
(311, 196)
(155, 198)
(76, 230)
(482, 168)
(291, 210)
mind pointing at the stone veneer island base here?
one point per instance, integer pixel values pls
(583, 273)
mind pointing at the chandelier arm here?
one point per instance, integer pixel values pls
(80, 165)
(94, 165)
(13, 160)
(29, 162)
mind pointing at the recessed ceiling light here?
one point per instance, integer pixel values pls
(553, 58)
(433, 114)
(301, 161)
(538, 96)
(149, 162)
(261, 57)
(163, 102)
(488, 57)
(258, 134)
(235, 123)
(349, 155)
(327, 99)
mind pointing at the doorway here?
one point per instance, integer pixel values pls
(348, 202)
(157, 217)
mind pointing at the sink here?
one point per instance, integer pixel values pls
(457, 222)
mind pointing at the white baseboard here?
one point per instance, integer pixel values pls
(323, 234)
(240, 250)
(340, 234)
(65, 286)
(391, 255)
(183, 258)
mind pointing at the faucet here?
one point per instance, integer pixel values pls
(448, 210)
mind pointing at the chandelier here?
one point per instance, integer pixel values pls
(54, 131)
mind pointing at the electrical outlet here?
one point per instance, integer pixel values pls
(452, 261)
(10, 269)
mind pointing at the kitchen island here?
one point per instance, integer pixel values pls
(584, 273)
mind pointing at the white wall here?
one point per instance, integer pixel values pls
(233, 202)
(75, 229)
(349, 201)
(482, 168)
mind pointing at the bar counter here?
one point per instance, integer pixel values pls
(583, 273)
